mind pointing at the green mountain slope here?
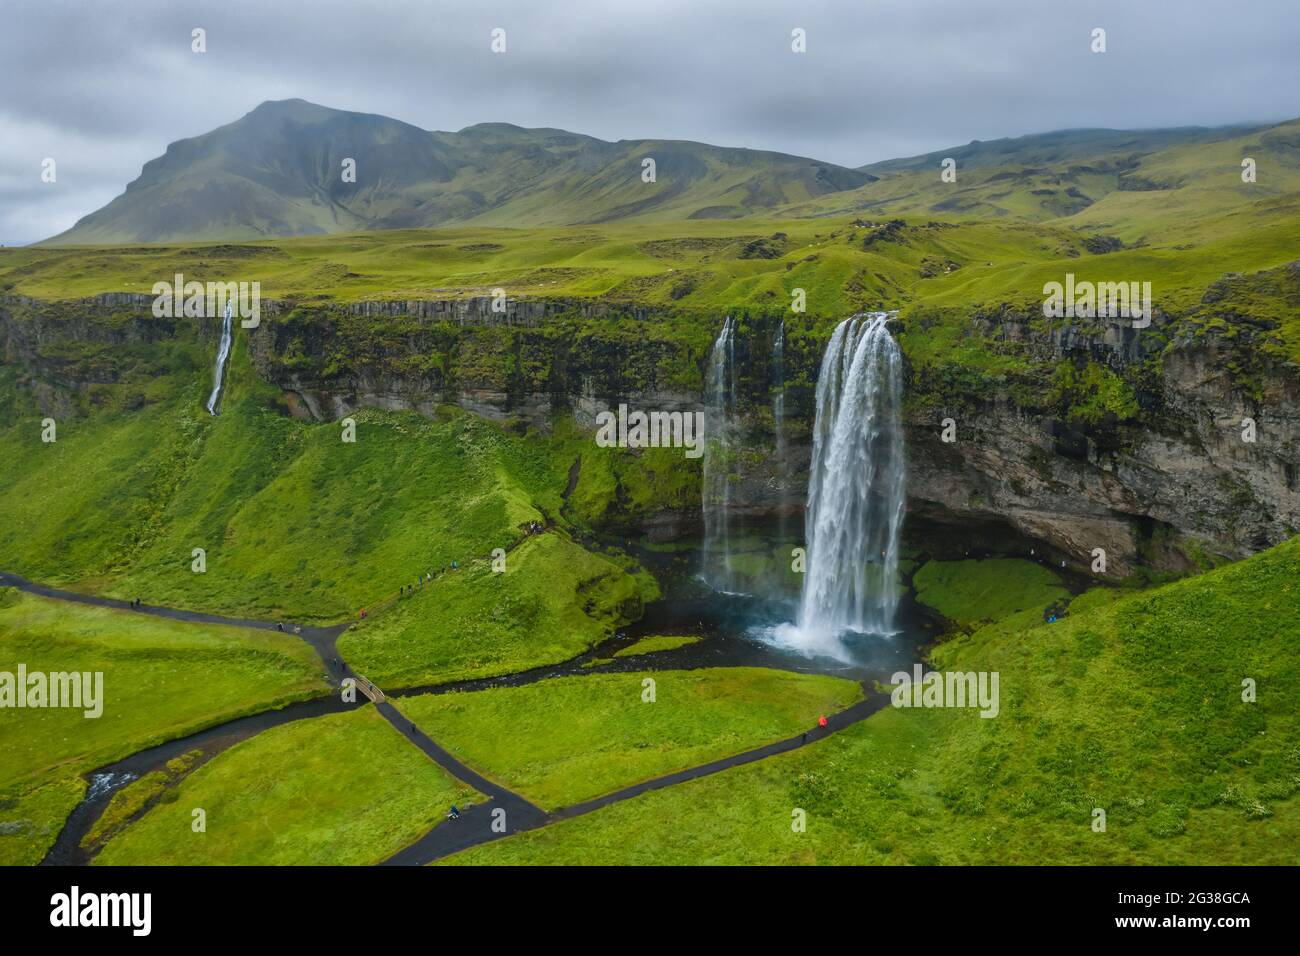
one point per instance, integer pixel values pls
(1128, 182)
(278, 171)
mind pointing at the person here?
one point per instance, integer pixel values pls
(821, 721)
(280, 627)
(455, 566)
(805, 737)
(454, 814)
(363, 614)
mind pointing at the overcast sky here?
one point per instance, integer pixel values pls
(103, 86)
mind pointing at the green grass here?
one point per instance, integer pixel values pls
(1131, 704)
(341, 789)
(659, 642)
(981, 590)
(81, 506)
(295, 523)
(565, 740)
(553, 601)
(162, 680)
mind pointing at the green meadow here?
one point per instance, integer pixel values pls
(161, 680)
(565, 740)
(345, 789)
(552, 601)
(1132, 705)
(970, 591)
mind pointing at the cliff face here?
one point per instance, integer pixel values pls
(1176, 481)
(1165, 485)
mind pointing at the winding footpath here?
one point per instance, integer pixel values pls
(504, 813)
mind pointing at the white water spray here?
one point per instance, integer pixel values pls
(223, 352)
(856, 486)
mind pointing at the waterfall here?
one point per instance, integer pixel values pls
(778, 421)
(855, 485)
(720, 406)
(223, 352)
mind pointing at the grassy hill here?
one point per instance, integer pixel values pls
(294, 521)
(1136, 185)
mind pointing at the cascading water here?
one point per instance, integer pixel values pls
(720, 405)
(856, 486)
(223, 353)
(778, 419)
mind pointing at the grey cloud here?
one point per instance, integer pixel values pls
(111, 85)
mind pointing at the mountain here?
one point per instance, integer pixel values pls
(278, 172)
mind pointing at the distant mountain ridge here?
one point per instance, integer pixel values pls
(1062, 146)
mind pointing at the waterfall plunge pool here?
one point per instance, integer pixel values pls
(758, 629)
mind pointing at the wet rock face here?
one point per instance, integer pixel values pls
(1176, 481)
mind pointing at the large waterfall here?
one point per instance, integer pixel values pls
(223, 353)
(855, 486)
(719, 433)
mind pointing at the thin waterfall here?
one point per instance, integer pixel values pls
(856, 485)
(719, 416)
(778, 422)
(223, 353)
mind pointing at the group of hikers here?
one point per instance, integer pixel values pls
(422, 579)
